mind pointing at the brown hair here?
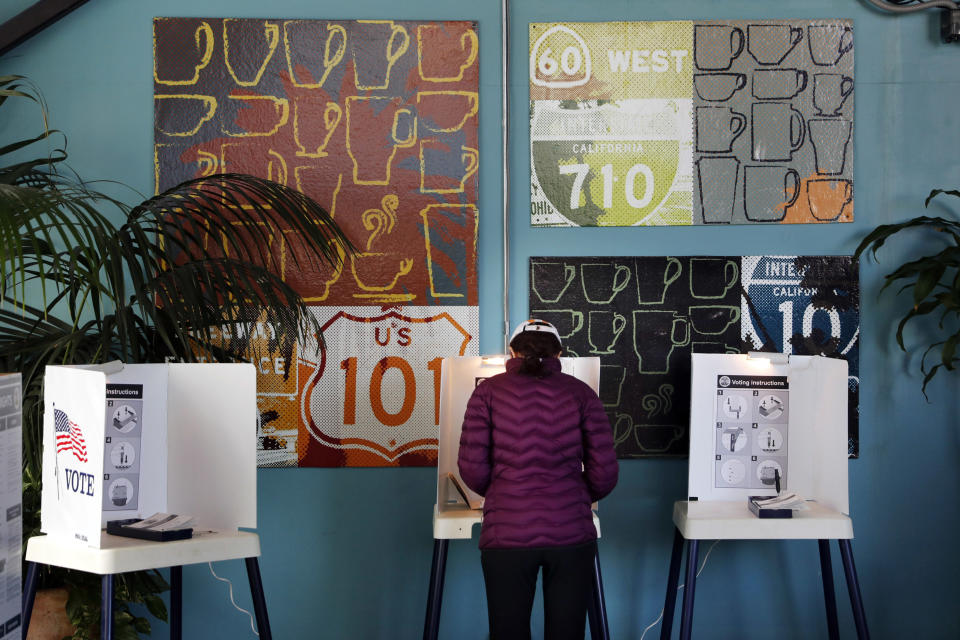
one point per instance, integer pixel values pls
(533, 347)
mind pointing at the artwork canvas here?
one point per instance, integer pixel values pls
(377, 121)
(683, 123)
(644, 316)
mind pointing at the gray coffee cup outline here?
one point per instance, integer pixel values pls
(830, 138)
(815, 209)
(772, 42)
(705, 45)
(718, 87)
(570, 272)
(767, 131)
(770, 80)
(614, 287)
(718, 128)
(575, 317)
(595, 327)
(818, 43)
(830, 91)
(707, 314)
(770, 209)
(717, 179)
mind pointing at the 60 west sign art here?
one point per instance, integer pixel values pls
(679, 123)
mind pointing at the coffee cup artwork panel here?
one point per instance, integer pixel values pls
(712, 278)
(654, 276)
(830, 91)
(603, 331)
(770, 44)
(718, 128)
(550, 280)
(611, 384)
(718, 87)
(713, 319)
(778, 130)
(602, 281)
(653, 331)
(830, 138)
(717, 179)
(828, 198)
(778, 84)
(829, 43)
(716, 46)
(768, 191)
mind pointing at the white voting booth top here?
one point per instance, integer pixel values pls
(816, 460)
(118, 554)
(197, 451)
(454, 518)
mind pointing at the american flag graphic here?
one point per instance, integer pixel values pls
(69, 436)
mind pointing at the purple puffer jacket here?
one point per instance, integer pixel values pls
(540, 450)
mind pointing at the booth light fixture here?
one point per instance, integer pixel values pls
(494, 361)
(766, 358)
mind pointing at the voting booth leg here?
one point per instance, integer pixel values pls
(829, 594)
(259, 600)
(853, 587)
(176, 603)
(597, 611)
(686, 616)
(106, 607)
(670, 602)
(431, 626)
(29, 591)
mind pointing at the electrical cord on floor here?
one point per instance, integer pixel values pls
(253, 626)
(699, 571)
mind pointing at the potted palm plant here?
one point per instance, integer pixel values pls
(933, 281)
(87, 279)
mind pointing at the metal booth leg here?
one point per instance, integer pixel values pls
(597, 610)
(176, 603)
(438, 568)
(106, 607)
(853, 587)
(686, 616)
(29, 592)
(670, 602)
(829, 595)
(259, 600)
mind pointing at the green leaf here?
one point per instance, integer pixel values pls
(919, 310)
(927, 280)
(156, 606)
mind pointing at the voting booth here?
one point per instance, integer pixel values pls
(759, 417)
(128, 440)
(458, 378)
(11, 501)
(458, 508)
(758, 421)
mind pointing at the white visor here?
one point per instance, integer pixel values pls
(534, 325)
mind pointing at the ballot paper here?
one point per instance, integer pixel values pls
(783, 501)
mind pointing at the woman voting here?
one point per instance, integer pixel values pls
(538, 446)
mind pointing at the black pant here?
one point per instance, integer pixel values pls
(511, 580)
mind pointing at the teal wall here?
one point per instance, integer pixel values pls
(346, 552)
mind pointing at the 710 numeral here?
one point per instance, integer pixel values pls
(580, 171)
